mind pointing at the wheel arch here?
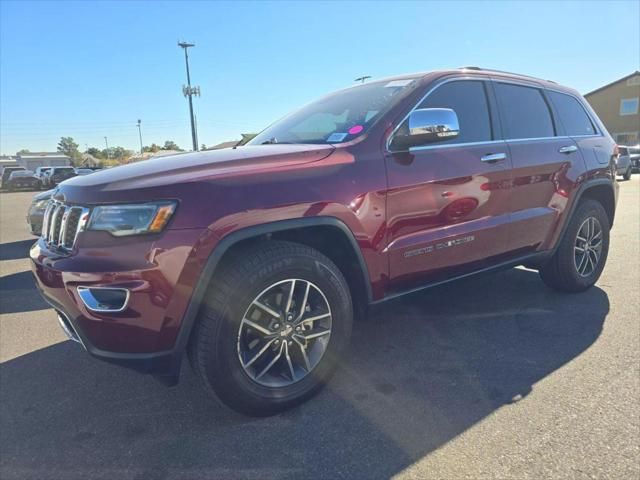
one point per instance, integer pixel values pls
(599, 189)
(302, 230)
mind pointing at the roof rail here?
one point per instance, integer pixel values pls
(503, 71)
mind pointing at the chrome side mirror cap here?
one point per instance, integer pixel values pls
(424, 126)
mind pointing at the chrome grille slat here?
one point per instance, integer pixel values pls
(62, 224)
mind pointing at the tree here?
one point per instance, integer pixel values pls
(152, 148)
(171, 145)
(23, 151)
(67, 146)
(203, 147)
(95, 152)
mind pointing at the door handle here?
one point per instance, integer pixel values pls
(568, 149)
(493, 157)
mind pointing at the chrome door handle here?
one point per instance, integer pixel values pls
(493, 157)
(568, 149)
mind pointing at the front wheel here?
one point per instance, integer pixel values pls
(275, 322)
(582, 252)
(627, 174)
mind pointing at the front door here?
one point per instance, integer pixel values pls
(448, 202)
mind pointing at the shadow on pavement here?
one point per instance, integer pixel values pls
(16, 250)
(19, 294)
(421, 372)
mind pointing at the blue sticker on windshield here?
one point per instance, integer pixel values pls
(336, 137)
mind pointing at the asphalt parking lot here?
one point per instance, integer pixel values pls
(492, 377)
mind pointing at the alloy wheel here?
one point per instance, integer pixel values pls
(284, 333)
(588, 247)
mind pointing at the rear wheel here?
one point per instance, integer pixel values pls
(274, 324)
(582, 253)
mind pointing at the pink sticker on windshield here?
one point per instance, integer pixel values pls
(355, 129)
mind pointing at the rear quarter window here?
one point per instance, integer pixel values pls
(572, 115)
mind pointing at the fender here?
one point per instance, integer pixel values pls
(191, 313)
(577, 196)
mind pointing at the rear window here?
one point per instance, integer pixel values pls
(524, 112)
(572, 115)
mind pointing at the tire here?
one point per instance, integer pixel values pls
(222, 333)
(627, 174)
(567, 270)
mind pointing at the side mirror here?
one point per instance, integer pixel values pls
(426, 125)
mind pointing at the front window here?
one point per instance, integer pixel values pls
(338, 117)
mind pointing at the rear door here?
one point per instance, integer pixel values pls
(447, 203)
(545, 163)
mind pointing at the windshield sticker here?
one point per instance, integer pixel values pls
(356, 129)
(398, 83)
(336, 137)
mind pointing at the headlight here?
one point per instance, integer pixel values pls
(121, 220)
(39, 204)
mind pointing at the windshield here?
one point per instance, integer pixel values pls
(338, 117)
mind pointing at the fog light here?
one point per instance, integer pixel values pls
(104, 299)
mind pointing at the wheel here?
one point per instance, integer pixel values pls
(275, 321)
(627, 174)
(582, 253)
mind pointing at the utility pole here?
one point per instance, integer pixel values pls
(188, 91)
(140, 135)
(107, 145)
(362, 79)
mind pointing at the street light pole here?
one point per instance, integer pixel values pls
(188, 92)
(107, 145)
(140, 135)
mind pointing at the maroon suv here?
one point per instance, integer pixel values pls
(255, 260)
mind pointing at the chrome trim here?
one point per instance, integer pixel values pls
(92, 302)
(69, 332)
(568, 149)
(51, 221)
(493, 157)
(453, 145)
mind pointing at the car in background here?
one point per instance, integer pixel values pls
(624, 166)
(6, 171)
(84, 171)
(41, 172)
(22, 179)
(35, 215)
(57, 175)
(634, 154)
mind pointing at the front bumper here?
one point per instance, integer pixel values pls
(158, 272)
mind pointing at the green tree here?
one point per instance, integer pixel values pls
(95, 152)
(23, 151)
(151, 148)
(203, 147)
(171, 145)
(67, 146)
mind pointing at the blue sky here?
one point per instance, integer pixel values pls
(91, 69)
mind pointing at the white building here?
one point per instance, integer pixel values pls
(33, 160)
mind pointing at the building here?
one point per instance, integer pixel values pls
(33, 160)
(617, 105)
(245, 138)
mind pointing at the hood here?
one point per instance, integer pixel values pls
(198, 166)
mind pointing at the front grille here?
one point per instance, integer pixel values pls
(62, 223)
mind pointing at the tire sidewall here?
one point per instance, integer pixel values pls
(586, 210)
(224, 369)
